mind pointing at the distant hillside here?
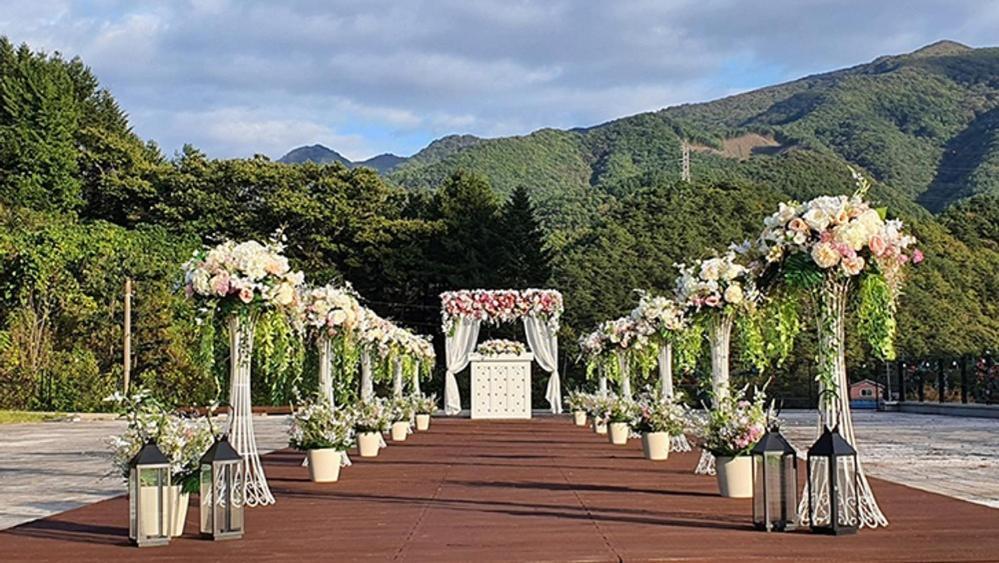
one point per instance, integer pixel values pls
(925, 124)
(314, 153)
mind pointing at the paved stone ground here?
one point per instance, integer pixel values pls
(50, 467)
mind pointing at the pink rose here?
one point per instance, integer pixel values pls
(220, 283)
(878, 245)
(826, 236)
(798, 225)
(712, 300)
(917, 256)
(246, 295)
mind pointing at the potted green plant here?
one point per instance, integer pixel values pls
(425, 406)
(182, 440)
(370, 420)
(657, 421)
(579, 402)
(324, 433)
(401, 416)
(731, 430)
(620, 414)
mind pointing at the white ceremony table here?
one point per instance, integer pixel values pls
(501, 386)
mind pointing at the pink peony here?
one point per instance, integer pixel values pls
(878, 245)
(220, 283)
(917, 256)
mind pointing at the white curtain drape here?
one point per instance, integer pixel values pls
(457, 348)
(367, 383)
(416, 378)
(397, 377)
(666, 372)
(622, 362)
(543, 340)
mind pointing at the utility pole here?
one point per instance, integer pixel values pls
(685, 162)
(128, 335)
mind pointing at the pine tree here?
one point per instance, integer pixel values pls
(525, 262)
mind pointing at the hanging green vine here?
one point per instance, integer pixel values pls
(876, 315)
(281, 355)
(753, 346)
(687, 346)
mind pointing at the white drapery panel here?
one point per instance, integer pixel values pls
(457, 348)
(666, 371)
(622, 362)
(397, 377)
(543, 340)
(367, 384)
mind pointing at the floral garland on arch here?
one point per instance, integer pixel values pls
(500, 306)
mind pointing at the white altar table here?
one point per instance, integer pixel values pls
(501, 386)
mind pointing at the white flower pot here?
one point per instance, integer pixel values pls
(399, 431)
(423, 422)
(324, 465)
(176, 503)
(618, 434)
(368, 443)
(655, 445)
(599, 426)
(580, 418)
(735, 476)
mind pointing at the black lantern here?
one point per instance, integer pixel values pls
(775, 483)
(221, 496)
(148, 498)
(833, 485)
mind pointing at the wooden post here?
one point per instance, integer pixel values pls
(128, 336)
(964, 379)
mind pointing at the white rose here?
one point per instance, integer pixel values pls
(710, 269)
(818, 219)
(284, 294)
(733, 294)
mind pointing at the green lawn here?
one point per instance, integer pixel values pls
(14, 417)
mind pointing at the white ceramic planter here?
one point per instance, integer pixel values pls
(655, 445)
(324, 465)
(423, 422)
(579, 417)
(618, 434)
(735, 476)
(399, 431)
(368, 443)
(599, 426)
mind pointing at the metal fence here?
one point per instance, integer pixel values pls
(944, 380)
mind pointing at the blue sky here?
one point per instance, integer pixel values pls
(237, 77)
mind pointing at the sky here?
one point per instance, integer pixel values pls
(239, 77)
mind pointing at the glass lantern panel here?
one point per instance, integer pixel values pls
(206, 499)
(151, 509)
(229, 507)
(818, 491)
(789, 490)
(133, 499)
(774, 491)
(846, 485)
(759, 491)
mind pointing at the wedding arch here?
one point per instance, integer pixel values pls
(464, 311)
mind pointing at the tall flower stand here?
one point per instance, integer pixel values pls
(719, 338)
(325, 368)
(834, 404)
(679, 442)
(239, 426)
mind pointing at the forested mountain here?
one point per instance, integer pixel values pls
(595, 213)
(314, 153)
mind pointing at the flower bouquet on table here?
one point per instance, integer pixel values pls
(400, 413)
(501, 347)
(620, 414)
(325, 434)
(424, 406)
(730, 431)
(182, 440)
(370, 419)
(580, 404)
(658, 420)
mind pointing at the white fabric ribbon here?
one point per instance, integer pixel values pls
(666, 372)
(458, 346)
(543, 340)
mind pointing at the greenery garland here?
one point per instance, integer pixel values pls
(281, 356)
(876, 315)
(687, 346)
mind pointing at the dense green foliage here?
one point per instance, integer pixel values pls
(85, 203)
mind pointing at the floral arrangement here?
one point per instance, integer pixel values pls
(182, 440)
(501, 347)
(370, 416)
(332, 309)
(245, 273)
(500, 306)
(619, 409)
(598, 406)
(625, 333)
(656, 415)
(580, 401)
(425, 404)
(733, 426)
(720, 284)
(592, 345)
(317, 425)
(400, 409)
(375, 333)
(658, 315)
